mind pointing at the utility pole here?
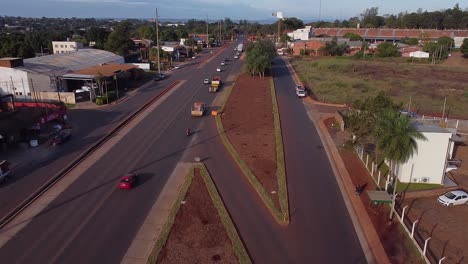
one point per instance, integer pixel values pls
(443, 109)
(207, 38)
(409, 104)
(157, 40)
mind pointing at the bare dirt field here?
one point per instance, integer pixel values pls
(446, 226)
(198, 235)
(343, 80)
(249, 124)
(393, 239)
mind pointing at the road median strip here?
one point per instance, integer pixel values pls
(237, 245)
(282, 216)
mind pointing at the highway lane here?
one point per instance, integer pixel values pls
(90, 125)
(318, 213)
(320, 230)
(92, 221)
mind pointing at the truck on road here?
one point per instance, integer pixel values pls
(240, 47)
(215, 84)
(198, 109)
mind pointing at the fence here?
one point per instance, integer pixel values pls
(421, 243)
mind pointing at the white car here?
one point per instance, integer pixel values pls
(218, 69)
(223, 63)
(236, 57)
(177, 67)
(206, 81)
(451, 198)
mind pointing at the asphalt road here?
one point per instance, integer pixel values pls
(93, 221)
(320, 230)
(35, 166)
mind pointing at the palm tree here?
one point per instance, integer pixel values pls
(397, 140)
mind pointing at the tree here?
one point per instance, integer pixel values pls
(259, 57)
(397, 138)
(362, 119)
(370, 18)
(410, 41)
(464, 48)
(387, 49)
(285, 38)
(332, 47)
(446, 42)
(119, 40)
(353, 36)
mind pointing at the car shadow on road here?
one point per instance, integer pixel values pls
(142, 178)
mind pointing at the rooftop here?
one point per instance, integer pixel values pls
(429, 129)
(62, 63)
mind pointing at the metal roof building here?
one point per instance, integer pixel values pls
(42, 73)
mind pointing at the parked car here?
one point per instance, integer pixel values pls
(218, 69)
(177, 67)
(223, 63)
(194, 57)
(128, 181)
(452, 198)
(206, 81)
(236, 56)
(61, 137)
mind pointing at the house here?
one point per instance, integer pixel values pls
(313, 45)
(42, 74)
(301, 34)
(66, 46)
(419, 54)
(429, 163)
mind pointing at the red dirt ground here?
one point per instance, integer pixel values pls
(390, 234)
(198, 235)
(249, 124)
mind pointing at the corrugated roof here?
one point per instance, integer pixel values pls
(62, 63)
(107, 70)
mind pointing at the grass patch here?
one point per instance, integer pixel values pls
(345, 80)
(170, 221)
(238, 246)
(413, 186)
(280, 167)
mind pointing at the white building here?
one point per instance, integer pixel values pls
(301, 34)
(458, 41)
(419, 54)
(428, 165)
(66, 46)
(42, 74)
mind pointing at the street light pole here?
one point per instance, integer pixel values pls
(157, 40)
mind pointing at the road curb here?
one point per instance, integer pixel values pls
(57, 177)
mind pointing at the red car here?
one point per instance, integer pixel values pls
(128, 181)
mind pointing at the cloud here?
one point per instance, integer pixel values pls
(123, 2)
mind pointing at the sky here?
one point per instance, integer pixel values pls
(215, 9)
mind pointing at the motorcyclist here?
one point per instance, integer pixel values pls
(187, 131)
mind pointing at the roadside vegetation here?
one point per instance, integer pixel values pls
(421, 87)
(199, 227)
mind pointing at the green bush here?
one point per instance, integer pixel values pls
(99, 100)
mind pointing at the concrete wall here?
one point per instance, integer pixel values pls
(14, 81)
(68, 98)
(429, 161)
(40, 83)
